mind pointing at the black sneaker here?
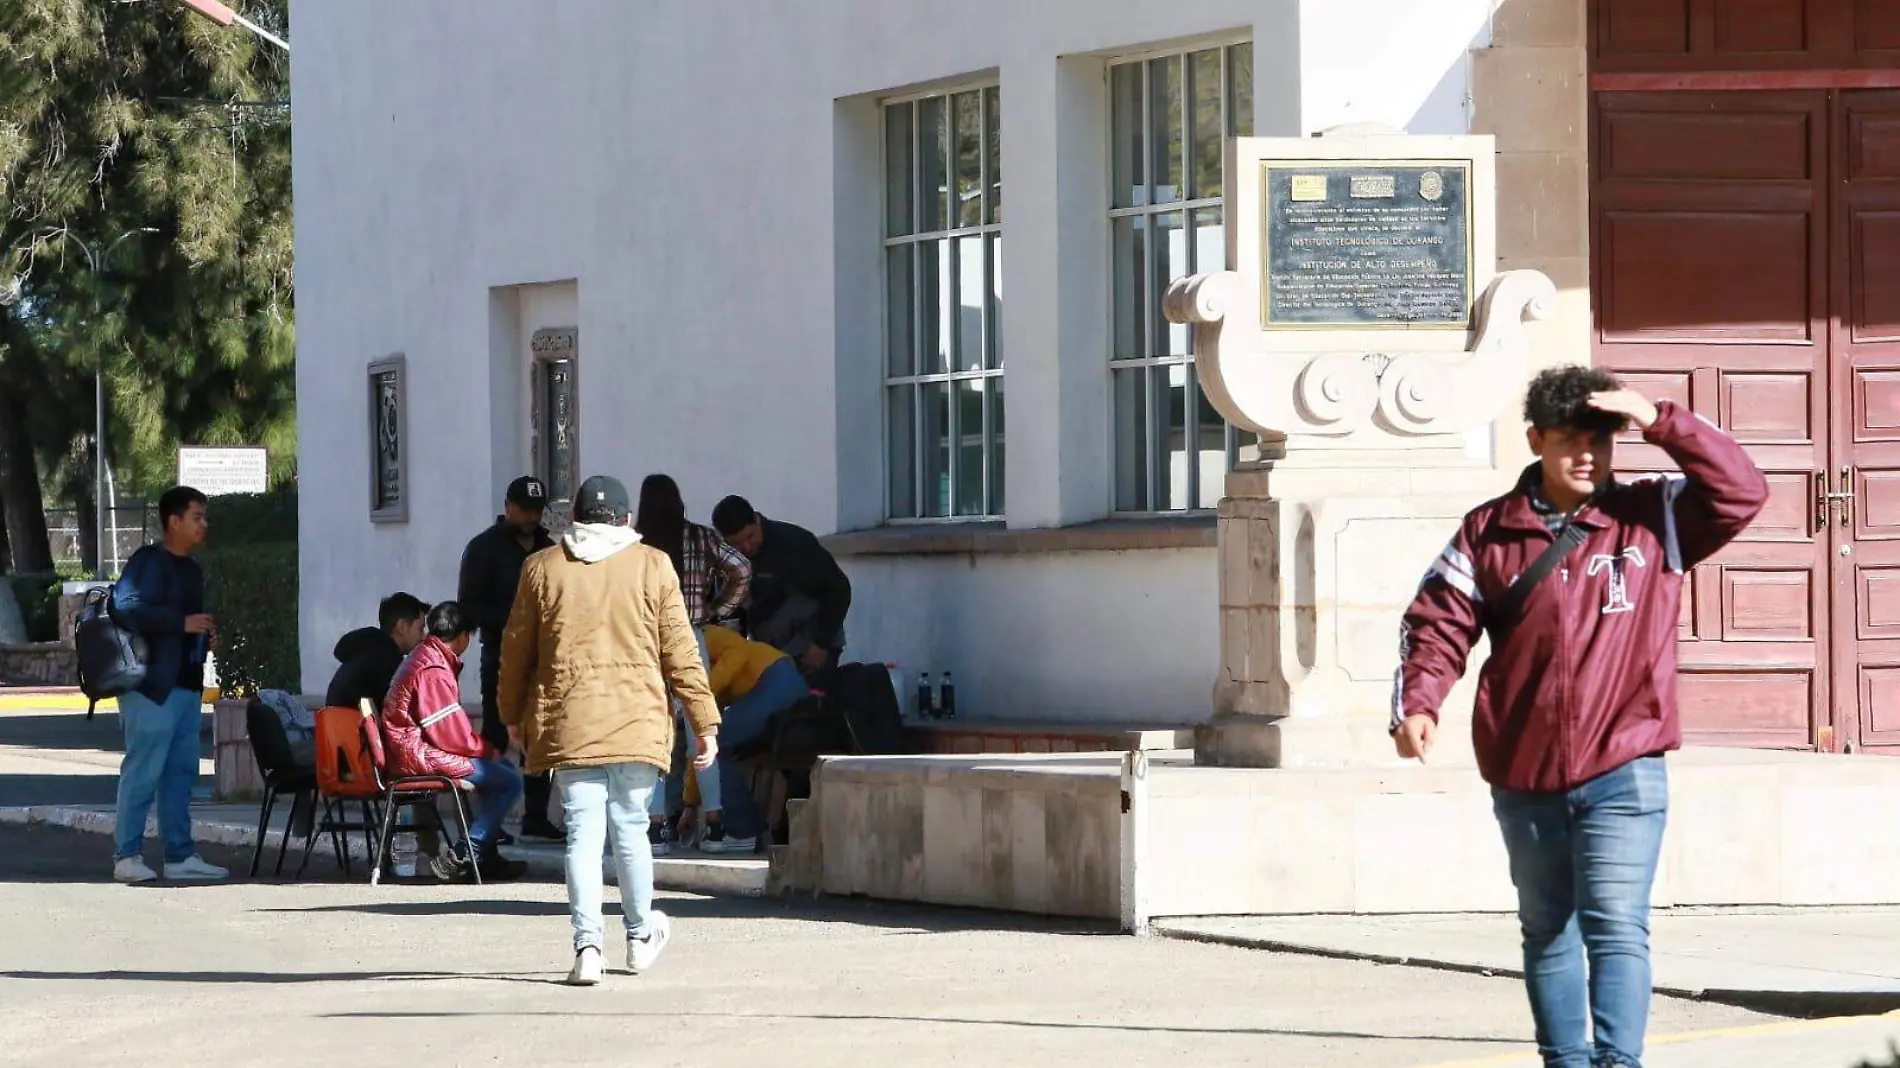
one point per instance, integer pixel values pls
(449, 868)
(496, 868)
(542, 829)
(502, 837)
(657, 838)
(715, 840)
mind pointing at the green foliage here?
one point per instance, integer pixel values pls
(253, 518)
(38, 596)
(252, 592)
(115, 118)
(250, 566)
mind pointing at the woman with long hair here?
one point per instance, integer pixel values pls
(714, 578)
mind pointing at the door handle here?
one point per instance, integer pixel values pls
(1824, 501)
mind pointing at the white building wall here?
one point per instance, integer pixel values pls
(701, 182)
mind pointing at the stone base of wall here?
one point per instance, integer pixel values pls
(39, 664)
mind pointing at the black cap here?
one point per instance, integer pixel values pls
(601, 499)
(528, 492)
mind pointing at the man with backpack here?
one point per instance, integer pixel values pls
(1577, 580)
(161, 597)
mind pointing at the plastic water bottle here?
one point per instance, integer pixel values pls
(926, 697)
(402, 849)
(947, 698)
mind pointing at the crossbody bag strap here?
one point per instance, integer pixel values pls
(1505, 613)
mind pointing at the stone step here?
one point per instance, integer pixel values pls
(974, 737)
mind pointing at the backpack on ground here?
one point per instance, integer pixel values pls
(866, 700)
(111, 657)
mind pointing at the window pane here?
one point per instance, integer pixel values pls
(996, 446)
(934, 304)
(1205, 141)
(936, 445)
(1170, 263)
(993, 144)
(969, 158)
(897, 166)
(1210, 246)
(933, 184)
(1165, 130)
(899, 310)
(1240, 90)
(1170, 433)
(994, 321)
(1211, 433)
(1131, 302)
(1130, 138)
(969, 446)
(971, 294)
(1131, 437)
(901, 435)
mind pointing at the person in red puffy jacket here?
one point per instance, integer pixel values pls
(427, 732)
(1577, 703)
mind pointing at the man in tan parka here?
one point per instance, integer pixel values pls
(597, 637)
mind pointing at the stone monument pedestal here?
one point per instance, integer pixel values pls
(1365, 335)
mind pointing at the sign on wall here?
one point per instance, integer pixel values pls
(218, 470)
(1378, 243)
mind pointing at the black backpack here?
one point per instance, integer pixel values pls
(866, 700)
(112, 658)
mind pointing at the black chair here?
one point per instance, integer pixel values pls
(283, 774)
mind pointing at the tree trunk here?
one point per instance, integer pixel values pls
(87, 520)
(20, 491)
(6, 548)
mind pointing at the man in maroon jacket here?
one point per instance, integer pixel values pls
(1577, 702)
(427, 732)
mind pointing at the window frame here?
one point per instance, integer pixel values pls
(990, 372)
(1147, 363)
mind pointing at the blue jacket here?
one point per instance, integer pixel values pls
(153, 597)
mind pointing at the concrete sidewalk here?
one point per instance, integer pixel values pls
(1798, 962)
(235, 826)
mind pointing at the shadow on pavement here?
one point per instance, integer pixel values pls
(68, 730)
(968, 1021)
(275, 978)
(899, 918)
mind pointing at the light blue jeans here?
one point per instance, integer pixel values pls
(597, 799)
(161, 764)
(1583, 862)
(673, 790)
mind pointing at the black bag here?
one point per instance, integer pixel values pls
(867, 701)
(112, 658)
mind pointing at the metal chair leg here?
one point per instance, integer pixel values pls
(372, 815)
(378, 857)
(461, 817)
(310, 839)
(263, 826)
(301, 801)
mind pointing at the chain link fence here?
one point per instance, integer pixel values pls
(128, 528)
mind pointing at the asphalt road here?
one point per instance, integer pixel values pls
(302, 974)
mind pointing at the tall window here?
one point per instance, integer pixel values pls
(1169, 116)
(943, 271)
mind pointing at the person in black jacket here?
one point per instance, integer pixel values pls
(491, 569)
(161, 596)
(368, 657)
(799, 593)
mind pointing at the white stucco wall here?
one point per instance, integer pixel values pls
(699, 182)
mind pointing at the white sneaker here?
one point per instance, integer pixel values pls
(132, 870)
(586, 967)
(643, 952)
(195, 869)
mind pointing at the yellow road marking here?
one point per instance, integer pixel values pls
(1780, 1027)
(51, 700)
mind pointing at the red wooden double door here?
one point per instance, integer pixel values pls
(1746, 263)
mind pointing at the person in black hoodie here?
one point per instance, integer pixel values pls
(368, 657)
(799, 593)
(491, 569)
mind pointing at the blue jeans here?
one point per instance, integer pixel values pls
(498, 784)
(1583, 862)
(671, 795)
(744, 721)
(161, 763)
(616, 796)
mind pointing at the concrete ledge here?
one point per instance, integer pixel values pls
(980, 737)
(728, 876)
(975, 539)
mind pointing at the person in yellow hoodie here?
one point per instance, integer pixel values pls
(753, 682)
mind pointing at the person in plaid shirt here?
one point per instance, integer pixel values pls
(715, 579)
(714, 576)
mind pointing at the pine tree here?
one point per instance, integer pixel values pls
(117, 119)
